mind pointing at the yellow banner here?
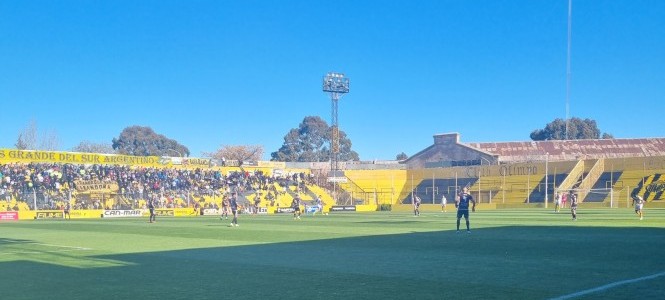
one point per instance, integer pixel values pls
(182, 212)
(76, 158)
(96, 186)
(198, 162)
(28, 156)
(272, 164)
(86, 214)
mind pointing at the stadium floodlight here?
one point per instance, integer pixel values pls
(335, 84)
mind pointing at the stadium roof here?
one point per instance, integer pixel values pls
(573, 149)
(447, 150)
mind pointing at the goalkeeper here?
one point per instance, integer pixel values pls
(462, 205)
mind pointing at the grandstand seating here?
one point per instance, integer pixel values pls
(497, 184)
(377, 186)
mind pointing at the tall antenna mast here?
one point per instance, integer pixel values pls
(570, 30)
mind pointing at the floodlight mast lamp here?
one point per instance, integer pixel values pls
(335, 84)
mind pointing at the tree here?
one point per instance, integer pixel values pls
(310, 142)
(50, 141)
(91, 147)
(401, 156)
(345, 152)
(237, 152)
(29, 137)
(578, 129)
(143, 141)
(22, 142)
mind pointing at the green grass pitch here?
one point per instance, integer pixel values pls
(510, 254)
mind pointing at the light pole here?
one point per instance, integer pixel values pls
(335, 84)
(547, 159)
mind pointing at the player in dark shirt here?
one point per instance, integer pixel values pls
(197, 207)
(257, 203)
(226, 203)
(68, 207)
(573, 205)
(462, 204)
(295, 204)
(233, 204)
(151, 207)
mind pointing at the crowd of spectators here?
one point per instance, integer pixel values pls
(50, 185)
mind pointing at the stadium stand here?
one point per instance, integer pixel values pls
(510, 173)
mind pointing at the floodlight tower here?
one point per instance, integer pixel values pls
(335, 84)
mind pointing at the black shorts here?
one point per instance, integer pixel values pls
(296, 209)
(463, 213)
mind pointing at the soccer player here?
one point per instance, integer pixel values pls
(557, 202)
(573, 205)
(233, 204)
(444, 201)
(416, 206)
(257, 202)
(151, 207)
(295, 204)
(65, 213)
(197, 206)
(319, 205)
(225, 208)
(638, 202)
(462, 205)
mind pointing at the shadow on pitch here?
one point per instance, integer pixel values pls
(503, 262)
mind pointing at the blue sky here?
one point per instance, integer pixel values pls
(212, 73)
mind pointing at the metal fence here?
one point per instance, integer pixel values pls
(34, 200)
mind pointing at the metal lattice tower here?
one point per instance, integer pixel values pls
(335, 84)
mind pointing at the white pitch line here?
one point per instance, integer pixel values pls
(39, 252)
(608, 286)
(61, 246)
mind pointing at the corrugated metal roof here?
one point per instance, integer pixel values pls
(575, 149)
